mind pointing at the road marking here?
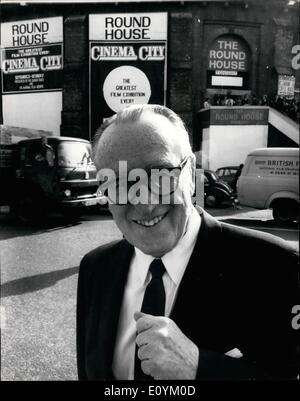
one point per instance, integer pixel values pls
(2, 317)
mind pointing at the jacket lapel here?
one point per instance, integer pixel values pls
(196, 307)
(108, 309)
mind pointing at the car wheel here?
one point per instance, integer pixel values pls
(211, 201)
(285, 211)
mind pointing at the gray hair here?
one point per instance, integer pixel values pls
(133, 113)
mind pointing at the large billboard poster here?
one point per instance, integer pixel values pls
(128, 54)
(32, 55)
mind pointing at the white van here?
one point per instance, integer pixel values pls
(270, 179)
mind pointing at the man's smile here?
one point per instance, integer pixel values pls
(153, 222)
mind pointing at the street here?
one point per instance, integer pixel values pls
(39, 267)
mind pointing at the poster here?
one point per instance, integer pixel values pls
(128, 54)
(32, 55)
(286, 85)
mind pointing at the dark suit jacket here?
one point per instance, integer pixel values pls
(237, 292)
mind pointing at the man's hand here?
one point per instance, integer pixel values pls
(165, 352)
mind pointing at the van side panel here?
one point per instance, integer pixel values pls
(268, 176)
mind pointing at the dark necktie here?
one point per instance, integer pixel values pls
(153, 304)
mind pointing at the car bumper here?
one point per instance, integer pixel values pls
(73, 203)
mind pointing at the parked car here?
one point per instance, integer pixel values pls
(227, 174)
(216, 191)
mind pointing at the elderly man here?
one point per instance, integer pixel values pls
(182, 296)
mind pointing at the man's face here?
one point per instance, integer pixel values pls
(148, 143)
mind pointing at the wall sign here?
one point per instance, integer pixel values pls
(32, 55)
(128, 55)
(286, 85)
(234, 116)
(228, 63)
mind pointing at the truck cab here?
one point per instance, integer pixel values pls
(54, 173)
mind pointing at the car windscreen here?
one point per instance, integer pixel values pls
(74, 154)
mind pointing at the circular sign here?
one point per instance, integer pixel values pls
(125, 86)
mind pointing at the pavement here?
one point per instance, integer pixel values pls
(39, 268)
(261, 220)
(241, 212)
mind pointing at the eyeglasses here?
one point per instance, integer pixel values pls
(136, 186)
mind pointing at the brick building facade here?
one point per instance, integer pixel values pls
(267, 29)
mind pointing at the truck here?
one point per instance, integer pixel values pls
(48, 173)
(270, 179)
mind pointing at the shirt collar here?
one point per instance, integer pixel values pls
(176, 260)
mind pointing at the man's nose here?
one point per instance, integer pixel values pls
(145, 197)
(147, 206)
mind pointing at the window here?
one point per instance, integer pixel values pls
(73, 154)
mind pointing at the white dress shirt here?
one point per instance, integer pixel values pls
(139, 277)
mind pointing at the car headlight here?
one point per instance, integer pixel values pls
(67, 192)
